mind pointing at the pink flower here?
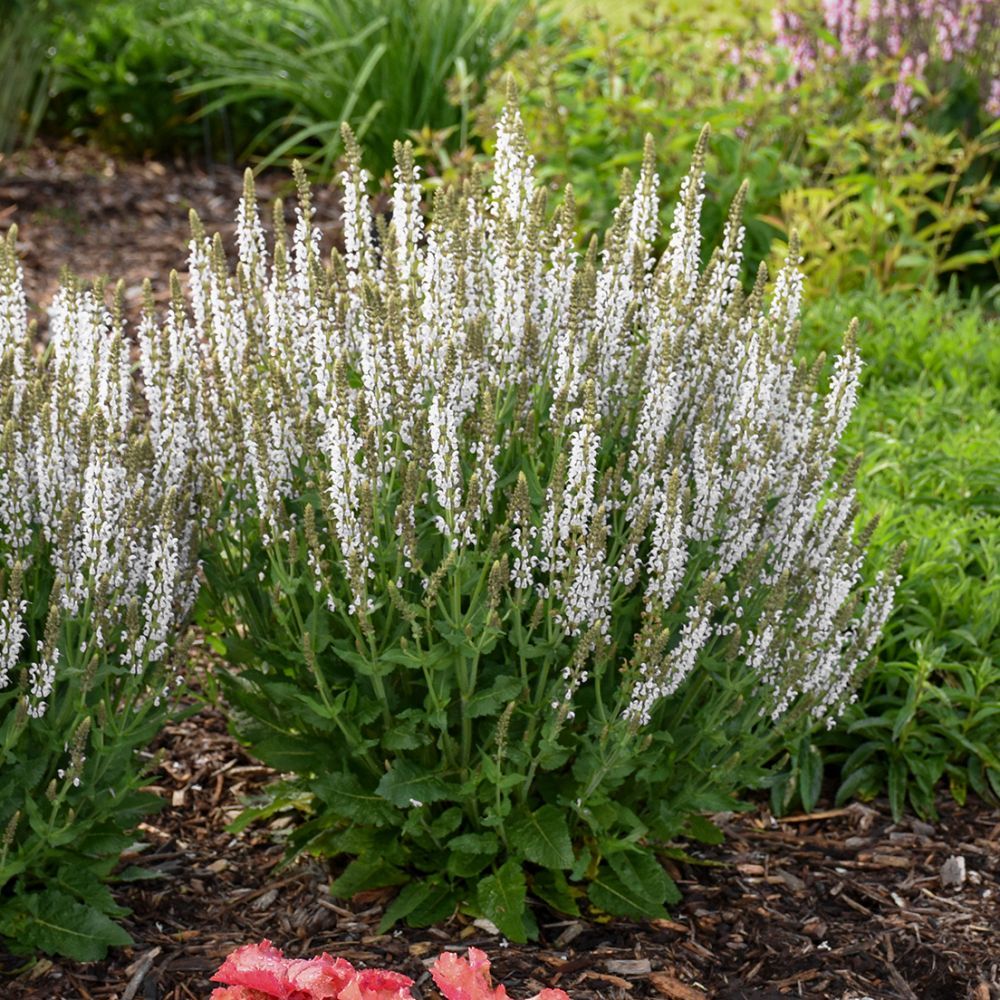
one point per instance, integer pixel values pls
(237, 993)
(469, 979)
(257, 966)
(465, 978)
(261, 972)
(377, 984)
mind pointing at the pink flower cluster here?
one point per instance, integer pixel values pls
(911, 33)
(261, 972)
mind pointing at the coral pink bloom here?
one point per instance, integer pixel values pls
(466, 978)
(237, 993)
(377, 984)
(322, 978)
(257, 966)
(469, 979)
(263, 970)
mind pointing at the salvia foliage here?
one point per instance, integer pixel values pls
(98, 541)
(524, 555)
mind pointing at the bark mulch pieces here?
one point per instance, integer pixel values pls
(841, 904)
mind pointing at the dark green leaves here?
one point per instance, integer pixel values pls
(408, 783)
(542, 837)
(633, 884)
(501, 898)
(345, 796)
(54, 922)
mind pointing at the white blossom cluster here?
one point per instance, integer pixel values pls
(421, 379)
(97, 487)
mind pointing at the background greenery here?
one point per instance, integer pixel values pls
(900, 221)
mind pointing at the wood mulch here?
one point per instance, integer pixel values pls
(80, 208)
(841, 904)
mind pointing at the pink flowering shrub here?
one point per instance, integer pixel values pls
(261, 972)
(913, 37)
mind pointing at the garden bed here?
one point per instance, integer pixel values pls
(840, 904)
(99, 216)
(843, 903)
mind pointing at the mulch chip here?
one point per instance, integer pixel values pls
(841, 904)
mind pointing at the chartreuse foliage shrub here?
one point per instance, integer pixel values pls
(97, 549)
(929, 422)
(907, 197)
(526, 556)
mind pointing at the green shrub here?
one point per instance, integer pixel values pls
(898, 202)
(96, 570)
(386, 69)
(592, 91)
(929, 420)
(527, 558)
(29, 27)
(910, 202)
(117, 77)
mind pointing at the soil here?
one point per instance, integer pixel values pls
(842, 903)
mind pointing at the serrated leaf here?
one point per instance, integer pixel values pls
(347, 797)
(611, 894)
(633, 883)
(55, 923)
(542, 837)
(408, 782)
(501, 898)
(79, 881)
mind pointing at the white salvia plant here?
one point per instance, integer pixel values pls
(573, 480)
(98, 540)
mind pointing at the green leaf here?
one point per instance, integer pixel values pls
(632, 883)
(501, 898)
(346, 796)
(703, 830)
(612, 894)
(542, 837)
(55, 923)
(552, 888)
(490, 701)
(408, 782)
(438, 906)
(475, 843)
(79, 881)
(366, 873)
(409, 899)
(810, 774)
(898, 776)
